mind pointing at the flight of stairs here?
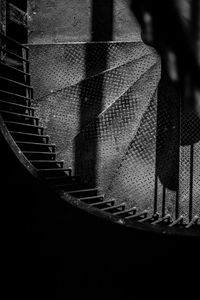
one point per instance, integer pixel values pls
(16, 96)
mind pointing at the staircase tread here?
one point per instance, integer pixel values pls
(16, 114)
(13, 68)
(65, 176)
(133, 209)
(82, 191)
(31, 134)
(161, 219)
(102, 202)
(24, 124)
(136, 215)
(40, 152)
(4, 36)
(114, 206)
(56, 169)
(193, 222)
(18, 105)
(15, 55)
(16, 82)
(33, 143)
(68, 183)
(49, 161)
(90, 197)
(16, 95)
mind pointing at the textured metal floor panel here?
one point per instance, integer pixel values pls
(119, 112)
(115, 130)
(60, 111)
(56, 66)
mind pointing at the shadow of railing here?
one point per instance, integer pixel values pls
(101, 31)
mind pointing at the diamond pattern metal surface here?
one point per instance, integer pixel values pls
(127, 112)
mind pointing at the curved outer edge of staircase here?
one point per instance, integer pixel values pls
(81, 205)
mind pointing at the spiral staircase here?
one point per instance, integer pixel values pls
(18, 121)
(22, 121)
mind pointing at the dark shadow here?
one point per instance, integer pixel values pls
(177, 121)
(101, 30)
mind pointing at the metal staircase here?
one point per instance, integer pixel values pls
(18, 117)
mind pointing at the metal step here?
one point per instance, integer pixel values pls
(13, 116)
(23, 127)
(165, 219)
(16, 83)
(73, 179)
(14, 98)
(13, 41)
(114, 208)
(42, 163)
(83, 192)
(91, 199)
(150, 219)
(126, 212)
(16, 107)
(11, 68)
(193, 222)
(18, 57)
(63, 179)
(31, 145)
(103, 204)
(73, 186)
(137, 216)
(24, 136)
(178, 221)
(49, 173)
(39, 154)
